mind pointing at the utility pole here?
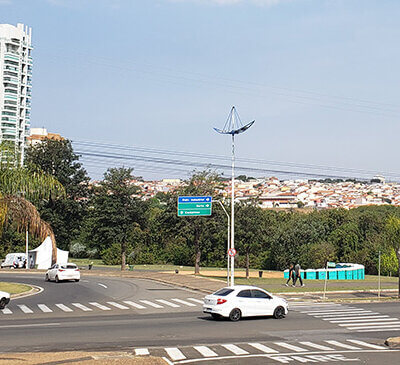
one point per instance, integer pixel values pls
(233, 125)
(228, 241)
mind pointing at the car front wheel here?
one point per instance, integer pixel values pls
(47, 278)
(279, 313)
(235, 315)
(56, 279)
(2, 303)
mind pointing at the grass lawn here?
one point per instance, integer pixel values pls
(13, 288)
(278, 285)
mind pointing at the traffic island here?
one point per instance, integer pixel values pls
(393, 342)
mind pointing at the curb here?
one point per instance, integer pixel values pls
(34, 290)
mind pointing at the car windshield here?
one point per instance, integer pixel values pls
(223, 292)
(69, 266)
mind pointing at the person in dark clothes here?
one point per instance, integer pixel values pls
(297, 275)
(291, 275)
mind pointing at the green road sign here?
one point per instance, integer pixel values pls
(194, 206)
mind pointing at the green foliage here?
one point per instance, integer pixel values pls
(389, 264)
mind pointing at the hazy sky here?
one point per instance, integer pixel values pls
(321, 77)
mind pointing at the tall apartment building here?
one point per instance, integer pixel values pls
(15, 85)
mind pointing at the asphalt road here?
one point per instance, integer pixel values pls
(147, 317)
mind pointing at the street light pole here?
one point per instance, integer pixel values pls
(233, 126)
(228, 241)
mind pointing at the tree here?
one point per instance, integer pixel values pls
(114, 212)
(57, 158)
(19, 187)
(393, 240)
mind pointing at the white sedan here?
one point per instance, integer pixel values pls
(59, 272)
(4, 299)
(240, 301)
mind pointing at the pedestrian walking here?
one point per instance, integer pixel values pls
(297, 275)
(291, 275)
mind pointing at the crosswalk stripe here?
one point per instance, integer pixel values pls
(263, 348)
(155, 305)
(365, 313)
(338, 311)
(64, 308)
(135, 305)
(117, 305)
(364, 326)
(205, 351)
(353, 318)
(349, 321)
(381, 330)
(290, 347)
(366, 344)
(184, 302)
(142, 352)
(343, 345)
(235, 349)
(174, 353)
(82, 307)
(316, 346)
(101, 306)
(6, 311)
(196, 300)
(44, 308)
(323, 310)
(24, 308)
(173, 305)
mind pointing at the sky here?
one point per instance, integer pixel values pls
(319, 77)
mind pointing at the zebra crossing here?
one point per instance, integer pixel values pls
(349, 317)
(325, 350)
(142, 304)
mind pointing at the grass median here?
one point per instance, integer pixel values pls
(14, 288)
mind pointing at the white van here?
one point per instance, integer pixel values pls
(14, 260)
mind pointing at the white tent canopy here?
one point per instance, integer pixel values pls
(42, 255)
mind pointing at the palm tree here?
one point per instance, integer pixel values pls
(19, 186)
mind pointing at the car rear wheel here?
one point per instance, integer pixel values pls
(56, 279)
(235, 315)
(2, 303)
(279, 313)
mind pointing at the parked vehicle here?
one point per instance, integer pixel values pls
(4, 299)
(60, 272)
(244, 301)
(15, 260)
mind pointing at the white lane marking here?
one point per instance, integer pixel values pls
(362, 327)
(235, 349)
(155, 305)
(174, 353)
(64, 308)
(364, 320)
(103, 285)
(290, 347)
(101, 306)
(142, 352)
(347, 314)
(353, 318)
(349, 309)
(24, 308)
(343, 345)
(30, 325)
(184, 302)
(82, 307)
(205, 351)
(381, 330)
(44, 308)
(135, 305)
(6, 311)
(320, 313)
(366, 344)
(317, 346)
(196, 300)
(173, 305)
(263, 348)
(117, 305)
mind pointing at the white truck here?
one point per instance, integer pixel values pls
(15, 260)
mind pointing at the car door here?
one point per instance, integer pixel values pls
(245, 302)
(262, 303)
